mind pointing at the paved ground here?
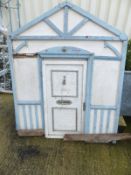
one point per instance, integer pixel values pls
(39, 156)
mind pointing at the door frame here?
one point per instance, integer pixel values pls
(68, 53)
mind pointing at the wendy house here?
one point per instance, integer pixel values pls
(67, 74)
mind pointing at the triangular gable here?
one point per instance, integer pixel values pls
(67, 20)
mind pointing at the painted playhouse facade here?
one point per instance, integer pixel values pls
(67, 72)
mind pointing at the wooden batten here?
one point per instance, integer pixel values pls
(97, 138)
(35, 132)
(24, 55)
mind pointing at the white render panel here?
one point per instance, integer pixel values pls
(58, 19)
(27, 79)
(92, 29)
(96, 47)
(39, 29)
(73, 19)
(105, 82)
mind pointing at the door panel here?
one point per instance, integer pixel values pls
(64, 96)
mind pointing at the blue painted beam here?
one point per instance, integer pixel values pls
(53, 27)
(112, 48)
(78, 26)
(20, 46)
(81, 38)
(25, 102)
(103, 107)
(65, 20)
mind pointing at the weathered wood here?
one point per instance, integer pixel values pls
(35, 132)
(97, 138)
(122, 125)
(24, 55)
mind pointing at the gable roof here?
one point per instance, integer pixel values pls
(87, 17)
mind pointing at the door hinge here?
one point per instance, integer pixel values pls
(84, 106)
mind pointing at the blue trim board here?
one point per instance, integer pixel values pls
(24, 117)
(30, 116)
(65, 20)
(53, 26)
(88, 92)
(20, 46)
(41, 88)
(78, 26)
(64, 51)
(27, 102)
(68, 37)
(120, 85)
(36, 117)
(103, 107)
(114, 50)
(77, 9)
(10, 52)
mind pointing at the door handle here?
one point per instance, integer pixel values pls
(63, 102)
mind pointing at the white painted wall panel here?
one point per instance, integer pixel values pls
(115, 12)
(92, 29)
(96, 47)
(40, 29)
(105, 82)
(27, 79)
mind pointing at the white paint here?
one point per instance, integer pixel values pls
(20, 118)
(33, 117)
(92, 29)
(39, 117)
(105, 82)
(61, 119)
(96, 47)
(39, 29)
(91, 122)
(27, 79)
(112, 122)
(73, 19)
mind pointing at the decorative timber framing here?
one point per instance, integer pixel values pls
(68, 35)
(70, 52)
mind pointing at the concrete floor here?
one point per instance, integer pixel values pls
(40, 156)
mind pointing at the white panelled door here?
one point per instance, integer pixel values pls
(64, 96)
